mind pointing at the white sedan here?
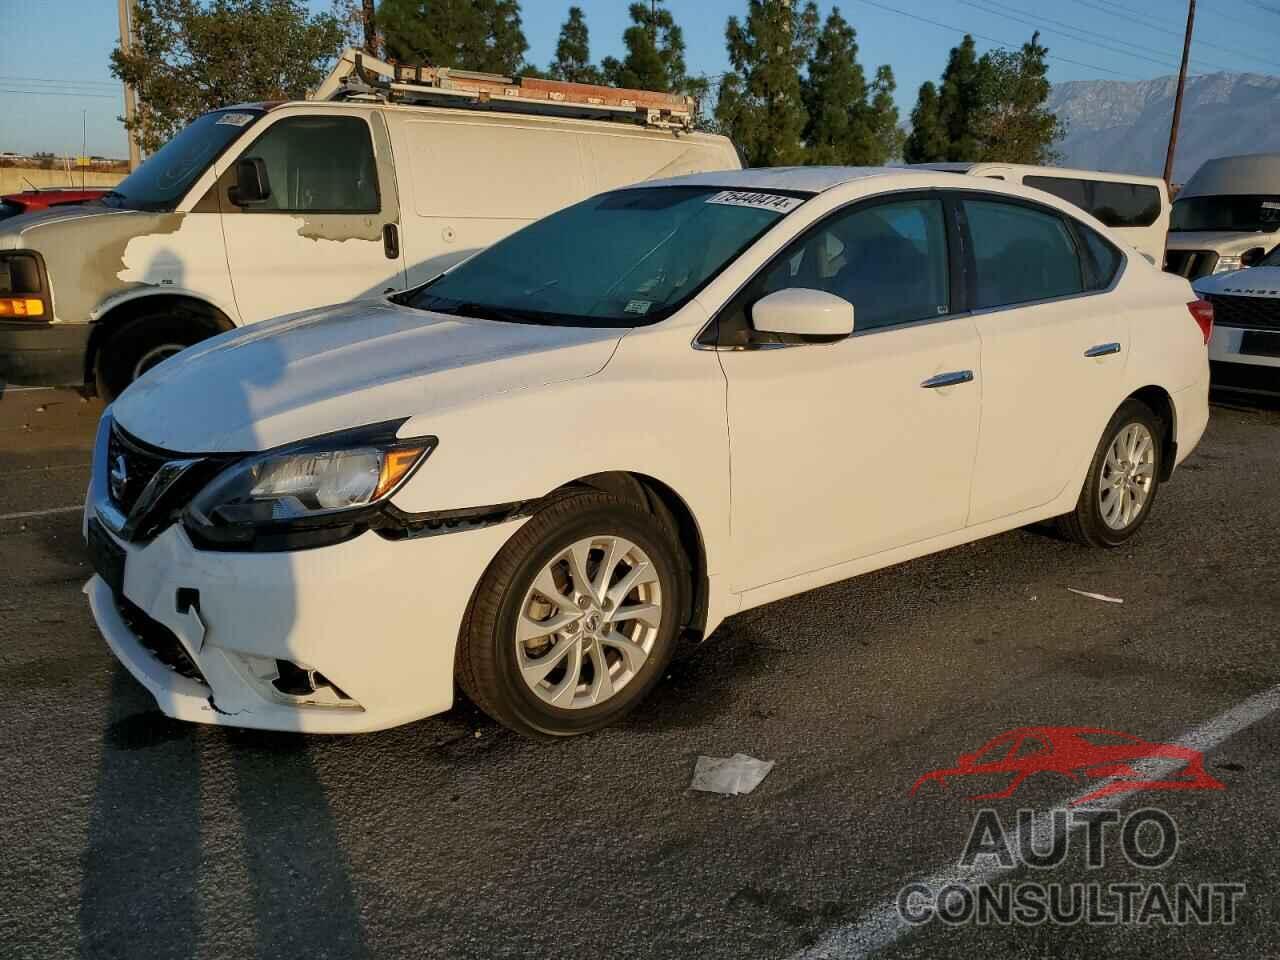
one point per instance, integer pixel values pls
(617, 427)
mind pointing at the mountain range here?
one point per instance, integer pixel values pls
(1124, 127)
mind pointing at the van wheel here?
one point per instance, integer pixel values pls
(141, 342)
(576, 618)
(1123, 479)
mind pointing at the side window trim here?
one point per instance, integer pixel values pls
(1070, 223)
(708, 337)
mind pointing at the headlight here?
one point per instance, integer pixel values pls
(1227, 264)
(307, 494)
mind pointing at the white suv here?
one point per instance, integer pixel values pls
(621, 424)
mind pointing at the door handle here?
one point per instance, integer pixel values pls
(391, 241)
(948, 379)
(1103, 350)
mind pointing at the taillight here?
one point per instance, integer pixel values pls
(1202, 313)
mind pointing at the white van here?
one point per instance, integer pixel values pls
(264, 209)
(1226, 217)
(1136, 208)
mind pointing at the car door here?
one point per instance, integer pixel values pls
(1053, 351)
(329, 230)
(843, 450)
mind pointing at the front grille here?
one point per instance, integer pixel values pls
(158, 639)
(1192, 264)
(1253, 313)
(130, 467)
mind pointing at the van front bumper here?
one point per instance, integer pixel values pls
(204, 631)
(43, 354)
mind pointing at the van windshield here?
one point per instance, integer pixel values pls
(166, 176)
(1238, 214)
(622, 259)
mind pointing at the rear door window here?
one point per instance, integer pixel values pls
(1021, 254)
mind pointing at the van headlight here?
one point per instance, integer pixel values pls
(307, 494)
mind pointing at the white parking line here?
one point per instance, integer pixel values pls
(883, 925)
(52, 511)
(4, 389)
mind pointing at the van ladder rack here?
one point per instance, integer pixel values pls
(359, 75)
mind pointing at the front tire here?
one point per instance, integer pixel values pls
(1123, 479)
(141, 342)
(576, 618)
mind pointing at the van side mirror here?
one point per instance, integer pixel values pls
(810, 314)
(252, 184)
(1252, 257)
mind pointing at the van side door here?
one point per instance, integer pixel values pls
(328, 229)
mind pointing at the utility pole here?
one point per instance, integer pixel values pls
(1177, 100)
(130, 104)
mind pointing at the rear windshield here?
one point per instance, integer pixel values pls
(166, 176)
(621, 259)
(1250, 214)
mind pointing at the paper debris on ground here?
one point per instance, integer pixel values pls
(1096, 596)
(729, 775)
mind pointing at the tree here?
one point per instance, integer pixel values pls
(965, 83)
(834, 95)
(1016, 127)
(849, 122)
(655, 54)
(193, 55)
(927, 142)
(760, 104)
(359, 24)
(573, 52)
(484, 35)
(882, 121)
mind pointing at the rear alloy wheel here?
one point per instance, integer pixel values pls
(576, 618)
(1123, 479)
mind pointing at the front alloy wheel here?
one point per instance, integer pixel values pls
(576, 618)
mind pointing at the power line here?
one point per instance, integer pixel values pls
(1124, 13)
(60, 93)
(64, 83)
(1086, 36)
(980, 36)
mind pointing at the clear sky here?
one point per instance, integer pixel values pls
(60, 47)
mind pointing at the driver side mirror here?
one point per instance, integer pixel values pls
(810, 314)
(1252, 256)
(252, 184)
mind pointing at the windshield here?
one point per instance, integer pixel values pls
(1238, 214)
(166, 175)
(622, 259)
(1272, 259)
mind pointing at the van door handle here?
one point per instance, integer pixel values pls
(948, 379)
(391, 241)
(1103, 350)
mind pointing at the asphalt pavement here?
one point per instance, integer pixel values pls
(125, 834)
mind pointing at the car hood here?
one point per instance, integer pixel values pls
(13, 229)
(345, 366)
(1251, 282)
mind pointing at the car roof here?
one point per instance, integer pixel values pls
(801, 179)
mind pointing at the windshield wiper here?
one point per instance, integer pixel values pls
(484, 311)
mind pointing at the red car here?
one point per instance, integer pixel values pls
(1080, 753)
(14, 204)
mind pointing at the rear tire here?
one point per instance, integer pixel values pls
(141, 342)
(1123, 479)
(553, 667)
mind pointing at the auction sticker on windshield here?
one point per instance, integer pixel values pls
(760, 201)
(235, 119)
